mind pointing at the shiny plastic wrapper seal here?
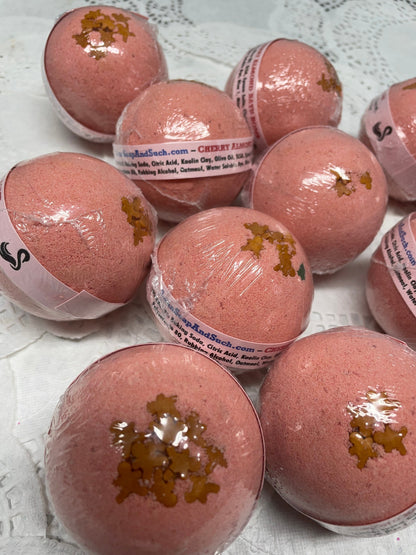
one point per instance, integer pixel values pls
(96, 60)
(327, 188)
(391, 281)
(388, 127)
(143, 456)
(186, 145)
(283, 85)
(232, 283)
(76, 237)
(337, 412)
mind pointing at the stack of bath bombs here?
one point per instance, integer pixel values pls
(327, 187)
(144, 456)
(388, 127)
(231, 282)
(96, 60)
(186, 145)
(337, 412)
(177, 468)
(283, 85)
(76, 236)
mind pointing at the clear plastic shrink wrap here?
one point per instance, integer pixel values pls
(337, 411)
(96, 60)
(283, 85)
(186, 145)
(233, 283)
(76, 236)
(388, 127)
(326, 187)
(142, 456)
(391, 281)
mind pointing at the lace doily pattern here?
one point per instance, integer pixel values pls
(371, 45)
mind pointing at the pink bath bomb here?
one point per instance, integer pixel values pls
(388, 127)
(235, 271)
(391, 281)
(84, 223)
(337, 411)
(96, 60)
(283, 85)
(183, 113)
(143, 455)
(328, 188)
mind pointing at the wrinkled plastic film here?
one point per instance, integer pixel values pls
(179, 325)
(25, 271)
(209, 289)
(187, 147)
(365, 390)
(157, 432)
(386, 140)
(71, 123)
(39, 282)
(100, 35)
(283, 85)
(327, 187)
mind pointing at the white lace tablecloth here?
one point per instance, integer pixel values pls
(372, 44)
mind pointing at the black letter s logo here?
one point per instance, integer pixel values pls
(22, 256)
(381, 134)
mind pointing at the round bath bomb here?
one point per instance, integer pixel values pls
(328, 188)
(193, 145)
(283, 85)
(337, 410)
(391, 281)
(77, 236)
(143, 456)
(96, 60)
(388, 127)
(231, 282)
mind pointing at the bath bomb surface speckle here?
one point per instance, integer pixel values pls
(97, 59)
(391, 281)
(86, 223)
(238, 271)
(143, 456)
(181, 111)
(337, 411)
(326, 187)
(388, 127)
(296, 86)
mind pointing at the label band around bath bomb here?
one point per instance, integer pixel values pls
(389, 148)
(382, 528)
(183, 327)
(244, 91)
(399, 251)
(185, 159)
(34, 280)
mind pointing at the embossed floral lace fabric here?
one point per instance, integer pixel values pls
(372, 44)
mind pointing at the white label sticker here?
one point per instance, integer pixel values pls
(399, 251)
(245, 91)
(187, 159)
(184, 328)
